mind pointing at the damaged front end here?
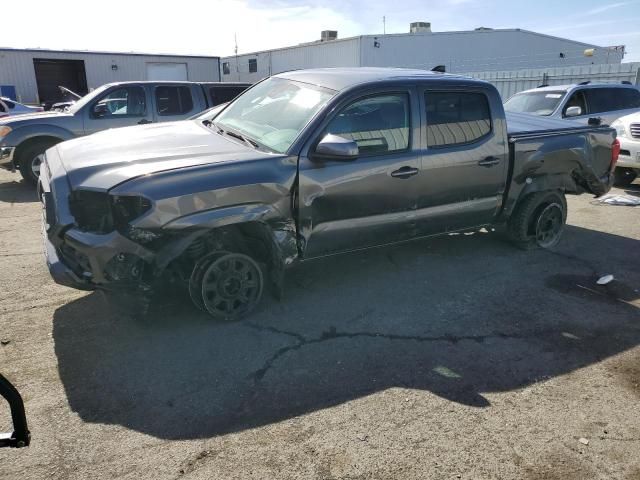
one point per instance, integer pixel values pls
(89, 239)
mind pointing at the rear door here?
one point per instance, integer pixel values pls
(464, 165)
(367, 201)
(176, 102)
(119, 106)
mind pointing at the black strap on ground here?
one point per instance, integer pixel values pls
(20, 436)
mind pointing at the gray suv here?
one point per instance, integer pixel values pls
(606, 101)
(24, 139)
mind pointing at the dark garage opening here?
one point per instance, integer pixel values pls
(50, 73)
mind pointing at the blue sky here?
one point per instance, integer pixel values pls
(209, 28)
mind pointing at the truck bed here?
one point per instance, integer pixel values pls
(523, 125)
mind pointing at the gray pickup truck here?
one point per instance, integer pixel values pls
(303, 165)
(24, 139)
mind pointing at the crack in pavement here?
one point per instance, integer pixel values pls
(333, 334)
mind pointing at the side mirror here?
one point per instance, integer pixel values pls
(20, 437)
(100, 110)
(595, 121)
(573, 112)
(335, 147)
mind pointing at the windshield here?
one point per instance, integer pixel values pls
(274, 112)
(538, 103)
(86, 99)
(209, 114)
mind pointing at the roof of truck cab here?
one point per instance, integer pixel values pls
(341, 78)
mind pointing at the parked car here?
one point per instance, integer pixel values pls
(628, 167)
(9, 107)
(303, 165)
(580, 102)
(24, 139)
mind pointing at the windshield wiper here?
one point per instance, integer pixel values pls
(237, 135)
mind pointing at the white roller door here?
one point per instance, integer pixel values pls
(167, 71)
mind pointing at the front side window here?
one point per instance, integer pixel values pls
(378, 124)
(121, 102)
(454, 118)
(576, 100)
(253, 65)
(173, 100)
(541, 103)
(274, 112)
(226, 70)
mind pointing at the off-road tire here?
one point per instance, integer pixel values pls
(28, 157)
(623, 177)
(230, 285)
(526, 226)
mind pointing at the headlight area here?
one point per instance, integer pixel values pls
(102, 213)
(115, 251)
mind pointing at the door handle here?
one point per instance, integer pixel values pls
(144, 121)
(404, 172)
(489, 162)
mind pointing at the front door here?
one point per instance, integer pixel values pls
(120, 106)
(367, 201)
(464, 166)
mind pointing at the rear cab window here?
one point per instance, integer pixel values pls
(223, 94)
(173, 100)
(456, 118)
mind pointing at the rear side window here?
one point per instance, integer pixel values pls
(378, 124)
(629, 98)
(173, 100)
(603, 99)
(454, 118)
(224, 94)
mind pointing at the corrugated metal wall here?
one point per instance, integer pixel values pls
(16, 68)
(479, 51)
(514, 81)
(337, 53)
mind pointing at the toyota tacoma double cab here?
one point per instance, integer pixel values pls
(24, 138)
(303, 165)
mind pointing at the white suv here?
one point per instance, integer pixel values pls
(606, 101)
(628, 166)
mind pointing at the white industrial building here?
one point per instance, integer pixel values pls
(483, 49)
(33, 75)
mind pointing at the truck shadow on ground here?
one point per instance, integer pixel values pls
(17, 192)
(460, 317)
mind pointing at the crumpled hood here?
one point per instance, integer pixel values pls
(105, 159)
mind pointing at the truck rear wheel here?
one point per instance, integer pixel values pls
(226, 285)
(538, 220)
(31, 159)
(622, 177)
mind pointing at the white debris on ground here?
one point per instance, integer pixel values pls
(605, 279)
(618, 199)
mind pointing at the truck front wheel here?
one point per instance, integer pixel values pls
(226, 285)
(538, 220)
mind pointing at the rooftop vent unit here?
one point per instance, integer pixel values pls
(328, 35)
(420, 27)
